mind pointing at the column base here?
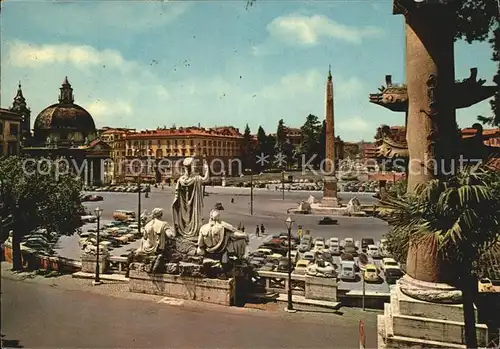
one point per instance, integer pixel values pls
(411, 323)
(429, 291)
(96, 283)
(290, 310)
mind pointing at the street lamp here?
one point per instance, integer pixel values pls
(98, 212)
(283, 184)
(139, 195)
(251, 193)
(289, 307)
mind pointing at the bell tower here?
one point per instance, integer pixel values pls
(66, 95)
(19, 106)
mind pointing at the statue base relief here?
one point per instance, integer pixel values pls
(433, 320)
(214, 291)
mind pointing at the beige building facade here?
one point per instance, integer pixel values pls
(10, 132)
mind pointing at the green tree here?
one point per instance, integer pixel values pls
(477, 20)
(39, 198)
(265, 146)
(281, 135)
(248, 150)
(461, 217)
(311, 137)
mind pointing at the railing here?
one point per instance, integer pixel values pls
(278, 282)
(117, 264)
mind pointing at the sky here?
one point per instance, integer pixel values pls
(144, 64)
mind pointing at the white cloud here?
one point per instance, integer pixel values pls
(356, 123)
(127, 93)
(23, 54)
(300, 30)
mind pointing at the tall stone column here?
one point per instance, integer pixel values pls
(91, 172)
(330, 198)
(86, 172)
(431, 76)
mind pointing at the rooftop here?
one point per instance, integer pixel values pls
(219, 131)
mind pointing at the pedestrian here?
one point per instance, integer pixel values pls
(232, 200)
(243, 229)
(239, 226)
(300, 232)
(257, 231)
(262, 229)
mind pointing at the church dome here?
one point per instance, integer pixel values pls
(64, 121)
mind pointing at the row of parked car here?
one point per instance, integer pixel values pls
(126, 188)
(114, 234)
(314, 256)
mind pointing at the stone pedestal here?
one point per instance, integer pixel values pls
(319, 288)
(330, 199)
(89, 262)
(200, 289)
(412, 323)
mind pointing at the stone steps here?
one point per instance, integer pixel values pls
(309, 304)
(105, 277)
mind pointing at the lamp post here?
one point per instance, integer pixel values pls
(283, 184)
(289, 307)
(139, 195)
(98, 212)
(251, 194)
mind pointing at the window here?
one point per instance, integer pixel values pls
(14, 129)
(1, 128)
(204, 143)
(12, 148)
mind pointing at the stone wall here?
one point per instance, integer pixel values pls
(89, 263)
(200, 289)
(319, 288)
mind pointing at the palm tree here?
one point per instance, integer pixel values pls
(449, 224)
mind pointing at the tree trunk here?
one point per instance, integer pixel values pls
(17, 263)
(469, 291)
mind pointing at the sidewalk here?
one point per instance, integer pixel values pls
(120, 290)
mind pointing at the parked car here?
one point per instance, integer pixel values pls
(327, 221)
(301, 266)
(347, 271)
(365, 242)
(333, 240)
(346, 257)
(89, 219)
(123, 215)
(383, 248)
(319, 246)
(485, 285)
(283, 265)
(319, 238)
(268, 267)
(392, 274)
(351, 249)
(388, 262)
(294, 256)
(308, 256)
(265, 251)
(362, 261)
(373, 251)
(334, 248)
(347, 241)
(370, 274)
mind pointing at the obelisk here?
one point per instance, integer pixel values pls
(330, 198)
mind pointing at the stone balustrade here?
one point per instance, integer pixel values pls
(311, 287)
(117, 264)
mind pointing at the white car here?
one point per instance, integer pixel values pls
(383, 248)
(348, 241)
(294, 256)
(388, 262)
(319, 238)
(319, 246)
(334, 248)
(373, 251)
(334, 241)
(309, 256)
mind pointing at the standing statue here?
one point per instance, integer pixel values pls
(187, 206)
(221, 238)
(155, 233)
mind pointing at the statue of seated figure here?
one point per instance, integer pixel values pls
(152, 243)
(221, 238)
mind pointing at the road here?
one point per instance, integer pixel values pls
(269, 209)
(37, 315)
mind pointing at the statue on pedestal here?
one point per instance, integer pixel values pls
(219, 238)
(187, 206)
